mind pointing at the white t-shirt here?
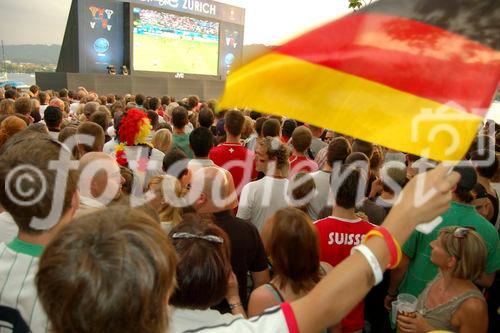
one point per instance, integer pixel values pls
(87, 205)
(111, 131)
(54, 135)
(280, 319)
(42, 110)
(8, 228)
(18, 268)
(189, 128)
(197, 163)
(73, 107)
(251, 141)
(109, 147)
(154, 165)
(322, 196)
(155, 159)
(182, 320)
(260, 199)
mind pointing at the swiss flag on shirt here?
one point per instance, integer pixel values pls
(337, 237)
(236, 159)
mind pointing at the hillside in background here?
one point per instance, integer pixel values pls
(48, 54)
(29, 53)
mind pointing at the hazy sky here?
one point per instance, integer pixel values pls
(267, 21)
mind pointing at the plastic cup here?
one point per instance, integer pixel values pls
(407, 298)
(394, 313)
(406, 309)
(407, 306)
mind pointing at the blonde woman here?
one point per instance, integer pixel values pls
(164, 189)
(451, 299)
(162, 140)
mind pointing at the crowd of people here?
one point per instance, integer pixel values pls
(144, 214)
(166, 20)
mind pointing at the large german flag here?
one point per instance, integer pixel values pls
(413, 75)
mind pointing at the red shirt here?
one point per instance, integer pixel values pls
(301, 164)
(337, 237)
(236, 159)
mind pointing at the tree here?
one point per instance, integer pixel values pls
(357, 4)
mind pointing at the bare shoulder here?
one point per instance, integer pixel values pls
(473, 307)
(262, 294)
(261, 299)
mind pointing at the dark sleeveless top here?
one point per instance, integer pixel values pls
(279, 297)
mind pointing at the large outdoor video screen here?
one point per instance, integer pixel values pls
(166, 42)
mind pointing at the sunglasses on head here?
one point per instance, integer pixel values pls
(462, 232)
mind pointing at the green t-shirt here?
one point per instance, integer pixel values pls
(421, 270)
(181, 141)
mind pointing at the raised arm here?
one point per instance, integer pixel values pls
(350, 281)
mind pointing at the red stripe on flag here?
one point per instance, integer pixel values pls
(407, 55)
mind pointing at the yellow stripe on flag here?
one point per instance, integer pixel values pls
(288, 86)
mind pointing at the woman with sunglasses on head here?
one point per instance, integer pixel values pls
(452, 301)
(204, 276)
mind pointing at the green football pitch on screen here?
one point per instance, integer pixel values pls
(164, 54)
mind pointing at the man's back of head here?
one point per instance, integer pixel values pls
(289, 125)
(81, 94)
(90, 108)
(89, 131)
(393, 172)
(206, 117)
(338, 150)
(271, 127)
(79, 269)
(233, 122)
(360, 161)
(179, 117)
(57, 102)
(139, 99)
(345, 187)
(362, 147)
(154, 103)
(153, 119)
(11, 93)
(35, 90)
(101, 119)
(218, 192)
(63, 93)
(301, 139)
(175, 163)
(99, 177)
(22, 106)
(192, 102)
(38, 182)
(53, 117)
(201, 141)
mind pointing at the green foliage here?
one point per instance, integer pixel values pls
(357, 4)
